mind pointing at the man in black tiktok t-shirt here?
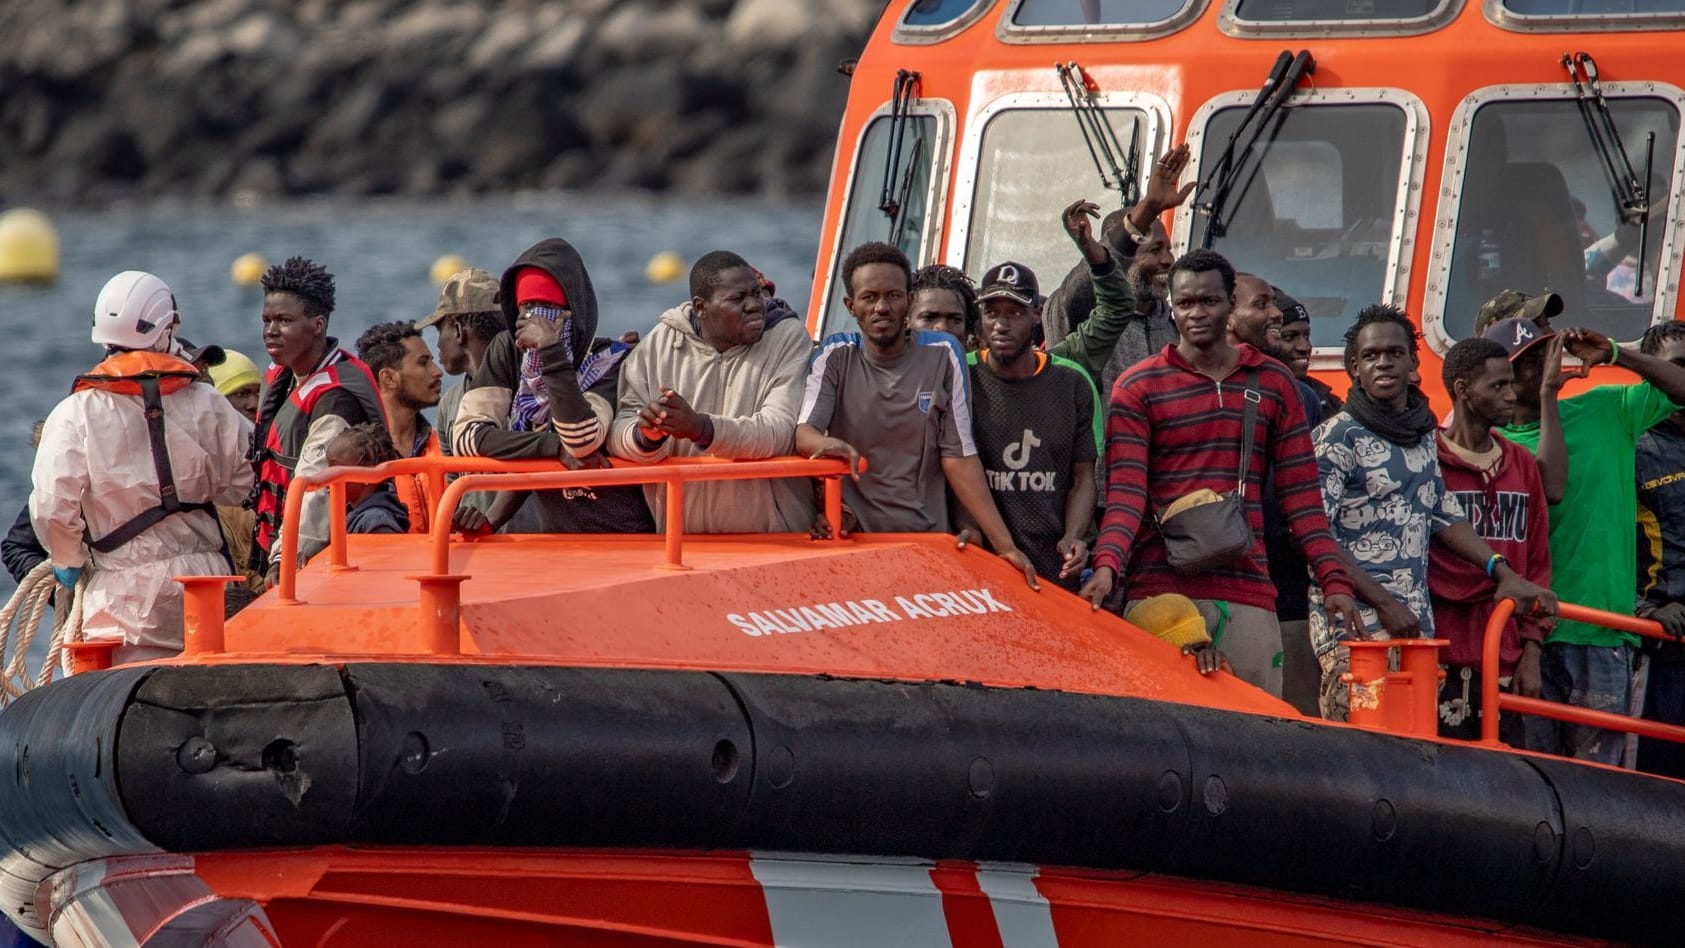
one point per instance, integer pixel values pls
(1034, 428)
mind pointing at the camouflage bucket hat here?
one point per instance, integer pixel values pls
(467, 291)
(1514, 304)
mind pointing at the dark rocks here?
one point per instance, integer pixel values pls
(248, 98)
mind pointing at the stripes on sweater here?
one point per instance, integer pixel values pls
(1171, 430)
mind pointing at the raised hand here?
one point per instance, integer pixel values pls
(1162, 192)
(1589, 346)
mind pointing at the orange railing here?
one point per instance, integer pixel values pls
(440, 596)
(1494, 700)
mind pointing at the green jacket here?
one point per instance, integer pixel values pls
(1091, 344)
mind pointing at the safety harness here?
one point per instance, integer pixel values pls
(151, 375)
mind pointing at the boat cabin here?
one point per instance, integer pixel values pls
(1427, 153)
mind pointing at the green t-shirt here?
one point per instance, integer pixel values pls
(1594, 532)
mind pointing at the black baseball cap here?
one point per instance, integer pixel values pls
(1012, 281)
(210, 355)
(1516, 335)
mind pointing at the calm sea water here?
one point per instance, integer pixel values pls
(379, 253)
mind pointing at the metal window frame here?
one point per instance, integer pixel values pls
(1449, 208)
(1156, 110)
(1009, 32)
(936, 197)
(908, 35)
(1506, 19)
(1232, 23)
(1395, 286)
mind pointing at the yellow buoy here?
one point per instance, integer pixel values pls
(446, 267)
(664, 267)
(248, 269)
(29, 247)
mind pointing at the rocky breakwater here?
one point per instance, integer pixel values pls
(102, 99)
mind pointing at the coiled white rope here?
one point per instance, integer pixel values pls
(20, 621)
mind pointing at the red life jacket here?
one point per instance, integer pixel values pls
(283, 426)
(150, 375)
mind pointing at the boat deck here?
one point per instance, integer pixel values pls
(906, 606)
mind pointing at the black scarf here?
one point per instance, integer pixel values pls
(1404, 428)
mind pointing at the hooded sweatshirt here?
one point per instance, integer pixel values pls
(750, 395)
(581, 402)
(1506, 506)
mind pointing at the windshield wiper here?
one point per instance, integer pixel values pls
(1097, 133)
(898, 221)
(1260, 118)
(891, 198)
(1631, 194)
(1225, 161)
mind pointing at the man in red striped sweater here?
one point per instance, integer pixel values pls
(1173, 428)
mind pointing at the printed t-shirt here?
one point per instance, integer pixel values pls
(1384, 502)
(903, 415)
(1029, 433)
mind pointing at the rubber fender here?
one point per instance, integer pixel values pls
(940, 770)
(1360, 815)
(59, 800)
(1629, 851)
(245, 755)
(548, 756)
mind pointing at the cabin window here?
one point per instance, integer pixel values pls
(1094, 13)
(1333, 11)
(1314, 208)
(865, 220)
(1592, 8)
(1535, 212)
(932, 21)
(1031, 164)
(935, 13)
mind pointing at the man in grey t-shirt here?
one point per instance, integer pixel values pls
(900, 403)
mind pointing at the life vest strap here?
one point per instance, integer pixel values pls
(168, 503)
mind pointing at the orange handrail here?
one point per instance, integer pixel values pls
(674, 473)
(1495, 701)
(492, 474)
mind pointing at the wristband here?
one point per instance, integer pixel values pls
(1134, 232)
(1614, 352)
(1492, 564)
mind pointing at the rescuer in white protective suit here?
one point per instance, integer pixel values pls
(129, 492)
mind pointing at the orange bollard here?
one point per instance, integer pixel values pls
(440, 621)
(91, 656)
(1418, 661)
(202, 612)
(1405, 701)
(1367, 681)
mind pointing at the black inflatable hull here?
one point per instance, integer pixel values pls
(209, 758)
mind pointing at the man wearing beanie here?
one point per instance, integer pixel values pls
(1296, 349)
(238, 379)
(547, 389)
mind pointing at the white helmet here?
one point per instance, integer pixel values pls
(135, 310)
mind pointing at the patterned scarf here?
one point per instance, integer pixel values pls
(531, 409)
(532, 401)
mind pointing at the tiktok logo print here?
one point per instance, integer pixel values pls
(1014, 458)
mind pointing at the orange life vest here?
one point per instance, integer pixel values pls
(412, 488)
